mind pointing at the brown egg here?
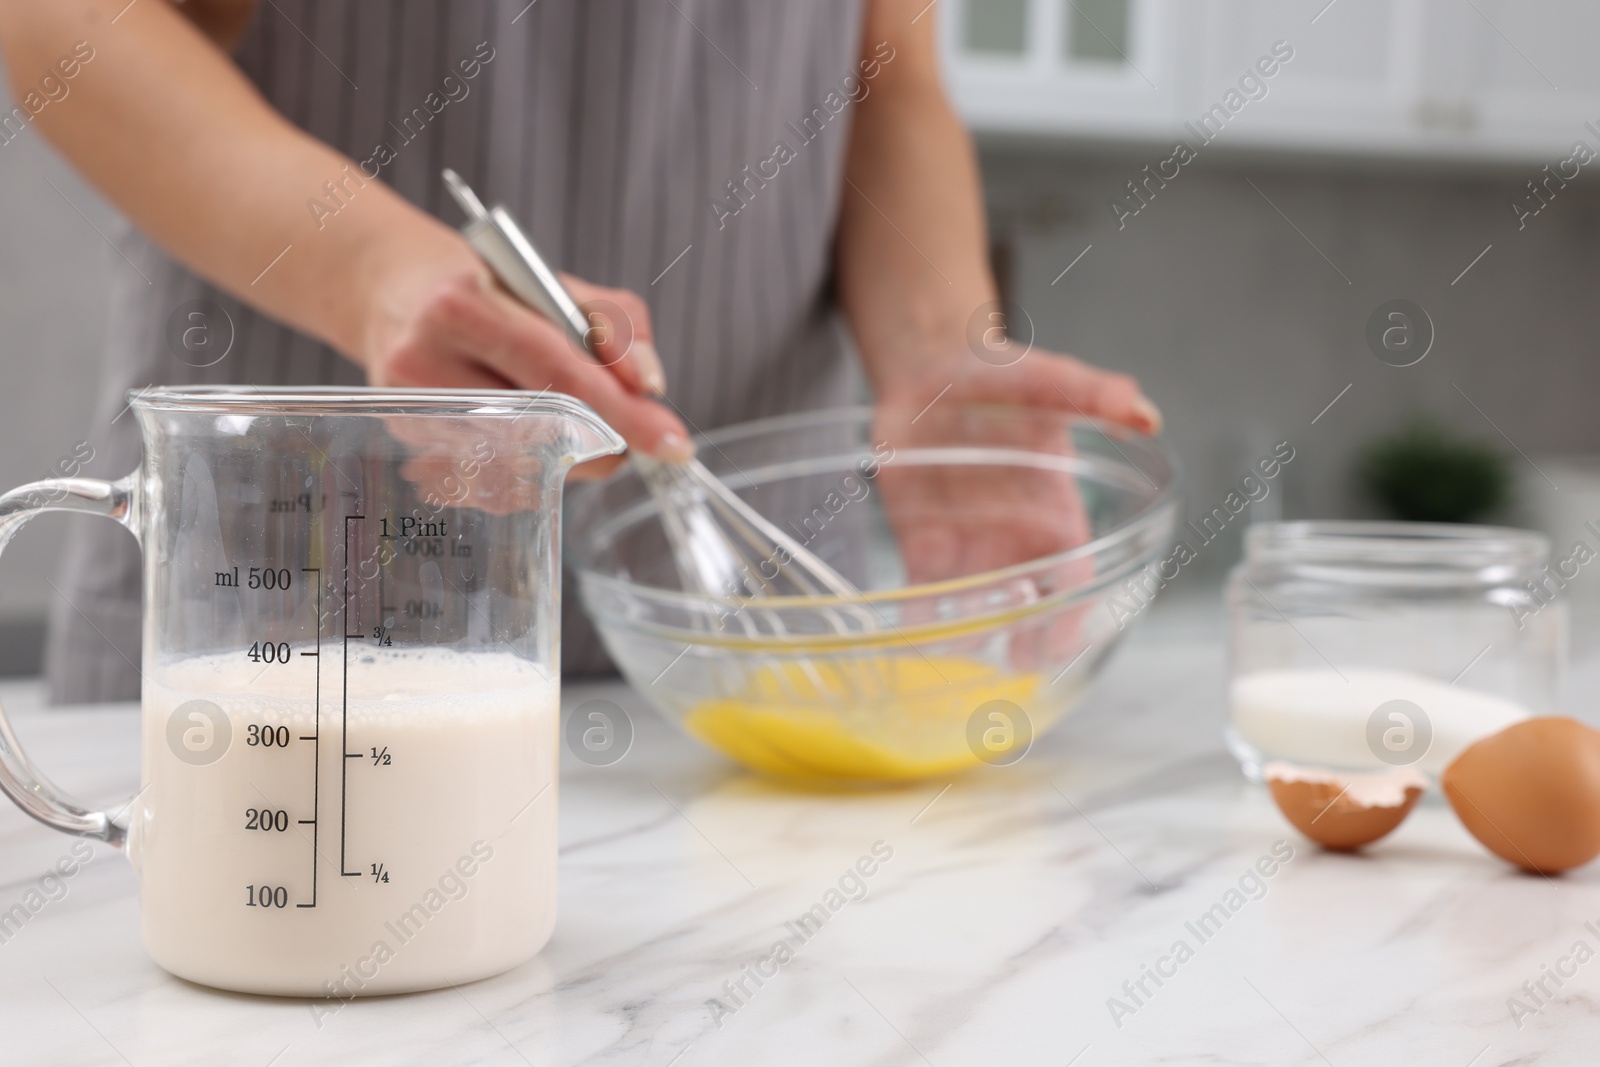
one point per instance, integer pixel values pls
(1531, 793)
(1343, 813)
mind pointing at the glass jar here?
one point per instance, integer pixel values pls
(1364, 646)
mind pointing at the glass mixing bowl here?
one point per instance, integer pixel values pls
(985, 540)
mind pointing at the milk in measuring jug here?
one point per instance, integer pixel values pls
(343, 831)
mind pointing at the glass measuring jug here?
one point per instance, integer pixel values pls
(350, 680)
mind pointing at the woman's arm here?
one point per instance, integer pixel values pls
(913, 268)
(170, 130)
(164, 124)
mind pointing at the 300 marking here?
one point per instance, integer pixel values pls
(268, 736)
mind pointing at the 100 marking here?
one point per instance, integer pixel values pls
(266, 896)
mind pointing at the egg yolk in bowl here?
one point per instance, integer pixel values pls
(881, 717)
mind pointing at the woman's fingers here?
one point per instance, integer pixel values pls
(461, 374)
(479, 324)
(532, 353)
(596, 469)
(1044, 380)
(620, 334)
(642, 422)
(1101, 394)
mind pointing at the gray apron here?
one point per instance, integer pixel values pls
(613, 129)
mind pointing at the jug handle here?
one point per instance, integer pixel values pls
(19, 778)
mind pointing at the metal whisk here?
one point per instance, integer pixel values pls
(723, 548)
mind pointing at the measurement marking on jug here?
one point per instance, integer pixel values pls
(267, 736)
(344, 726)
(266, 896)
(259, 578)
(268, 652)
(316, 735)
(410, 526)
(269, 820)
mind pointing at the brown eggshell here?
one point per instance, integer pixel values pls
(1531, 793)
(1324, 812)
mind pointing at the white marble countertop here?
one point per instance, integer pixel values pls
(1016, 903)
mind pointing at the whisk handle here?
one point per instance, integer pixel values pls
(494, 234)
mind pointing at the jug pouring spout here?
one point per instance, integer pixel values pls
(577, 435)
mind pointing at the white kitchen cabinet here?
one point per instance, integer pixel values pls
(1533, 80)
(1461, 79)
(1356, 72)
(1081, 67)
(1491, 80)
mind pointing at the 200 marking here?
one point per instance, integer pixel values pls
(266, 819)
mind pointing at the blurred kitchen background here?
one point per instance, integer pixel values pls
(1389, 158)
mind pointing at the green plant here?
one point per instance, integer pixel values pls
(1425, 473)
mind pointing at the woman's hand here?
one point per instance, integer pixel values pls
(953, 522)
(438, 319)
(1005, 374)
